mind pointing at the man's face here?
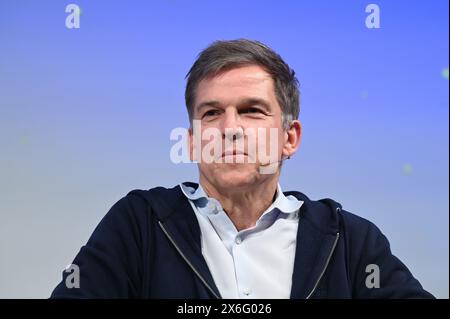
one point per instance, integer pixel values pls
(237, 101)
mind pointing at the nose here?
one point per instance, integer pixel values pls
(231, 126)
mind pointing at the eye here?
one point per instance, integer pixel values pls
(210, 113)
(251, 110)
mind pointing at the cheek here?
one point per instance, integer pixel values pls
(207, 140)
(208, 144)
(282, 138)
(272, 140)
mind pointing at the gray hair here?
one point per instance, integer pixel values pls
(225, 55)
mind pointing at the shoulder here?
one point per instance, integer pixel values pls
(358, 226)
(159, 201)
(328, 215)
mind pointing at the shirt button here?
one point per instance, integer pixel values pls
(247, 291)
(238, 240)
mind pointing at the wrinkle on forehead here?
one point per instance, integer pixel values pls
(242, 82)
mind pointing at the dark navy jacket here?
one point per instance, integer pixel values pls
(148, 246)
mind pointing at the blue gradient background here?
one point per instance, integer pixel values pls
(85, 116)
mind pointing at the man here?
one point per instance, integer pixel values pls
(236, 234)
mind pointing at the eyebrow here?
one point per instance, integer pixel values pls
(245, 102)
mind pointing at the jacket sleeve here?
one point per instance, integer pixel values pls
(380, 274)
(110, 263)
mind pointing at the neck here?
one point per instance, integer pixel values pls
(244, 205)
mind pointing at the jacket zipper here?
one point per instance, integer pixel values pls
(187, 260)
(209, 287)
(325, 267)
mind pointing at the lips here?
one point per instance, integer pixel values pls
(232, 152)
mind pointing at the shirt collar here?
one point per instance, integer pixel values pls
(286, 204)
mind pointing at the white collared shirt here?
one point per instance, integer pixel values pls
(257, 262)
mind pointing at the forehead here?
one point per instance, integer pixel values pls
(230, 86)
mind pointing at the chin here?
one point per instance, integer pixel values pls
(236, 176)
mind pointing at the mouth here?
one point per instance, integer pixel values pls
(233, 153)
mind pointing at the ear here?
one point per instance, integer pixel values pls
(292, 138)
